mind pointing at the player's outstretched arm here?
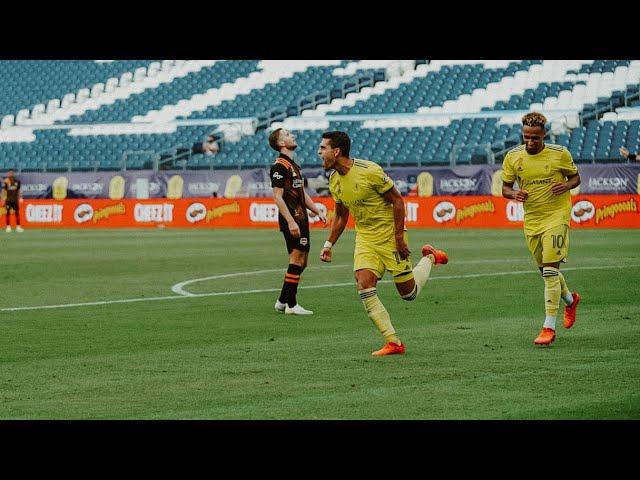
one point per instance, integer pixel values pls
(337, 227)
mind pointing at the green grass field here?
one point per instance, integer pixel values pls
(469, 337)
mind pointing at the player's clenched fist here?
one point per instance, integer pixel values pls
(521, 195)
(325, 255)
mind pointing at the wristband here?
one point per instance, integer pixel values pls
(327, 244)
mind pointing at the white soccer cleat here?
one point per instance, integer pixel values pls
(8, 229)
(297, 310)
(19, 229)
(280, 306)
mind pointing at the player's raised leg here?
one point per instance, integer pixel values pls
(410, 289)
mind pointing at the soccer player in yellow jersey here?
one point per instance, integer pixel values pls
(545, 174)
(362, 188)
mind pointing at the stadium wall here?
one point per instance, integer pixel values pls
(410, 181)
(588, 211)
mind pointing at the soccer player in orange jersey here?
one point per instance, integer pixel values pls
(288, 191)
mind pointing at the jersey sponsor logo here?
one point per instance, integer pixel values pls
(540, 181)
(297, 183)
(444, 211)
(44, 213)
(582, 211)
(83, 213)
(144, 213)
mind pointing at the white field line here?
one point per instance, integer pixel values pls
(328, 285)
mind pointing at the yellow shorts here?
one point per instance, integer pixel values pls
(382, 257)
(550, 246)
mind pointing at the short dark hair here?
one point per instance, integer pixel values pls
(338, 139)
(273, 139)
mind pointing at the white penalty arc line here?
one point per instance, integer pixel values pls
(267, 290)
(179, 287)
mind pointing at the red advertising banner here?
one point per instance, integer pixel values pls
(589, 211)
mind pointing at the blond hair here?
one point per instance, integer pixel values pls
(534, 119)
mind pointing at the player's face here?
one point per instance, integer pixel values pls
(533, 139)
(328, 154)
(288, 140)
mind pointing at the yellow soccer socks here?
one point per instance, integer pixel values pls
(564, 290)
(378, 314)
(552, 292)
(421, 273)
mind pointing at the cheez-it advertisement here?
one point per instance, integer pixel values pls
(588, 211)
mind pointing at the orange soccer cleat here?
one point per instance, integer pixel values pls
(570, 311)
(547, 335)
(389, 348)
(440, 256)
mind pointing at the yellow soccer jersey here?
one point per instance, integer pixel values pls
(535, 174)
(360, 190)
